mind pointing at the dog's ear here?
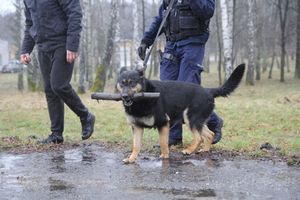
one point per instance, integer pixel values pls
(140, 71)
(123, 69)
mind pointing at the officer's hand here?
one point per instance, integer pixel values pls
(25, 58)
(142, 51)
(71, 56)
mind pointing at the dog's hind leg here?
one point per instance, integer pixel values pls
(164, 140)
(137, 142)
(195, 143)
(207, 137)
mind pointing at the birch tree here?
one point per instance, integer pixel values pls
(17, 32)
(85, 69)
(283, 7)
(220, 47)
(34, 76)
(102, 70)
(137, 29)
(297, 70)
(251, 43)
(227, 27)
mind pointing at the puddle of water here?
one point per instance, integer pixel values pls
(180, 192)
(57, 185)
(91, 172)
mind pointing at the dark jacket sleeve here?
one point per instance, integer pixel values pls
(73, 11)
(150, 35)
(28, 42)
(204, 9)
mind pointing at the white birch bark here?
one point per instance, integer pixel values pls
(227, 27)
(83, 53)
(297, 68)
(137, 35)
(251, 43)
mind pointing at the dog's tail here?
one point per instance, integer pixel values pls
(231, 84)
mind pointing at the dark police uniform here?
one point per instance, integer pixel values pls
(186, 31)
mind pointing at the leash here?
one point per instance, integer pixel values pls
(158, 33)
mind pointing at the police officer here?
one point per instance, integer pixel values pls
(186, 31)
(55, 26)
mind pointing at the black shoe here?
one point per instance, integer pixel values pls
(55, 138)
(217, 129)
(87, 125)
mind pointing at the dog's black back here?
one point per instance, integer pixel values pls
(176, 99)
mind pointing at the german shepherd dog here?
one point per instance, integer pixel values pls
(178, 101)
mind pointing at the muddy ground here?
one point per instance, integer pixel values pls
(96, 171)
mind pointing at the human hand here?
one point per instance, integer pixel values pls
(71, 56)
(142, 51)
(25, 58)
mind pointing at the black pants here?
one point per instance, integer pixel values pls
(57, 74)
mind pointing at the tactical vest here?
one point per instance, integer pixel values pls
(182, 23)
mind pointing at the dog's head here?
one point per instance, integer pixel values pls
(130, 82)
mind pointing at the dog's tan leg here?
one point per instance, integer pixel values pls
(164, 140)
(137, 142)
(195, 143)
(207, 137)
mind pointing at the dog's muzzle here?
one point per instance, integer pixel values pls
(127, 99)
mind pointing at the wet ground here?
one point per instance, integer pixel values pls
(91, 172)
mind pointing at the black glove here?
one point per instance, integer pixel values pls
(142, 51)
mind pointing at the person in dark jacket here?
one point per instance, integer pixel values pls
(186, 31)
(55, 26)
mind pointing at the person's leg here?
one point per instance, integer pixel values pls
(191, 63)
(215, 124)
(190, 71)
(55, 104)
(169, 70)
(61, 75)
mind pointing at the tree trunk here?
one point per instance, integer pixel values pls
(34, 78)
(219, 44)
(283, 6)
(101, 73)
(258, 42)
(88, 46)
(227, 12)
(83, 47)
(272, 64)
(82, 68)
(287, 63)
(297, 70)
(137, 15)
(17, 31)
(251, 43)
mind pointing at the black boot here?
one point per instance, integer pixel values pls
(217, 129)
(87, 125)
(55, 138)
(173, 142)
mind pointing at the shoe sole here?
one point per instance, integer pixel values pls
(89, 135)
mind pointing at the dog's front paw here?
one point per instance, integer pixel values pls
(129, 160)
(164, 156)
(187, 152)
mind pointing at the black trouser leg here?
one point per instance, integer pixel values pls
(55, 103)
(61, 75)
(59, 78)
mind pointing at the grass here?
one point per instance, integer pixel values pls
(267, 112)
